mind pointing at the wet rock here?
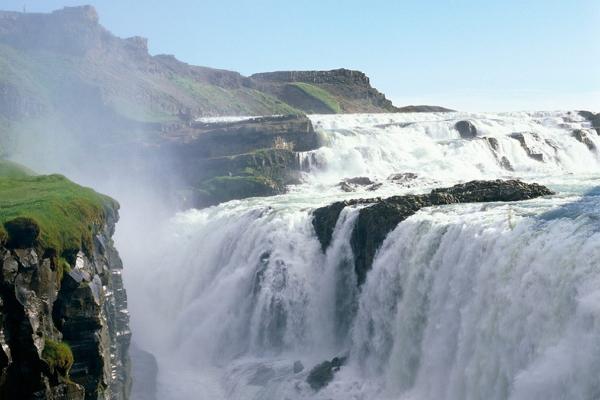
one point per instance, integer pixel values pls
(594, 119)
(298, 367)
(359, 180)
(322, 374)
(380, 216)
(374, 186)
(582, 136)
(346, 187)
(520, 137)
(39, 308)
(495, 147)
(466, 129)
(403, 177)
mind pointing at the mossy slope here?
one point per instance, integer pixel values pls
(65, 213)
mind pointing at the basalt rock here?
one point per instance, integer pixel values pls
(46, 301)
(322, 374)
(582, 136)
(594, 119)
(379, 216)
(466, 129)
(208, 140)
(520, 137)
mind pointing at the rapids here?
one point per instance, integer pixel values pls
(471, 301)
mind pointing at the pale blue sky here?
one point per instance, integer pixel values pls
(468, 54)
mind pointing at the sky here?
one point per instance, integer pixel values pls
(473, 55)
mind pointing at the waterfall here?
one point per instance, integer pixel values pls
(495, 301)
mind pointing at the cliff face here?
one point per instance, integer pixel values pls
(64, 326)
(326, 92)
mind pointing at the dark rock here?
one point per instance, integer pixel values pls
(208, 140)
(350, 89)
(374, 187)
(466, 129)
(346, 187)
(22, 232)
(39, 309)
(298, 367)
(582, 136)
(593, 118)
(495, 146)
(403, 177)
(322, 374)
(381, 216)
(493, 143)
(359, 180)
(520, 137)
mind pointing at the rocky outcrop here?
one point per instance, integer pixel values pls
(582, 136)
(348, 90)
(520, 137)
(466, 129)
(379, 216)
(64, 327)
(594, 119)
(209, 140)
(322, 374)
(224, 161)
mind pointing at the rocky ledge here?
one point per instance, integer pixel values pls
(224, 161)
(381, 216)
(64, 325)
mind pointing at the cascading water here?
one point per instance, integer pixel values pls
(494, 301)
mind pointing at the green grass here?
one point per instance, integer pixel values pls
(65, 213)
(320, 94)
(58, 356)
(215, 100)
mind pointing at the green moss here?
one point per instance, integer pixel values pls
(65, 213)
(58, 356)
(320, 94)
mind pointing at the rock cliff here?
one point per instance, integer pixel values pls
(380, 216)
(64, 325)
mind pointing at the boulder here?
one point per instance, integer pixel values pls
(466, 129)
(322, 374)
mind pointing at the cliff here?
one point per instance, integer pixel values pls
(325, 92)
(98, 72)
(64, 330)
(222, 161)
(380, 216)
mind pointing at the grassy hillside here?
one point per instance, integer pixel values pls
(48, 210)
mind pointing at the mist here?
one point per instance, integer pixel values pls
(298, 235)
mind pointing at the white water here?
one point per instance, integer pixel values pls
(494, 301)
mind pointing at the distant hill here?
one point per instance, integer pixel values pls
(66, 61)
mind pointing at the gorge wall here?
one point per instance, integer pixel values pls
(64, 323)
